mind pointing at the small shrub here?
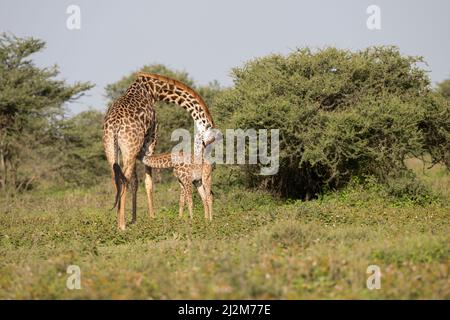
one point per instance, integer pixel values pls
(410, 189)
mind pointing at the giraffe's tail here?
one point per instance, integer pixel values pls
(119, 178)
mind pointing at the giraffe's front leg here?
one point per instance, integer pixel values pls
(182, 201)
(149, 191)
(207, 183)
(188, 198)
(202, 193)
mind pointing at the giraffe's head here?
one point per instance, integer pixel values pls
(205, 125)
(209, 136)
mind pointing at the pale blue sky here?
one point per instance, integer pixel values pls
(208, 38)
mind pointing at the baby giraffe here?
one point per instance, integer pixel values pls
(188, 172)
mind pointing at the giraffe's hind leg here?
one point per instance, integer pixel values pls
(134, 184)
(110, 151)
(129, 165)
(147, 150)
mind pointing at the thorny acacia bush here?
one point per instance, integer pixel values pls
(341, 114)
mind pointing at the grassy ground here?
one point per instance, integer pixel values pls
(256, 246)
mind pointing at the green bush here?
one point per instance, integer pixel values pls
(32, 101)
(341, 114)
(83, 161)
(411, 190)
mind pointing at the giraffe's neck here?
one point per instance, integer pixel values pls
(169, 160)
(169, 90)
(159, 161)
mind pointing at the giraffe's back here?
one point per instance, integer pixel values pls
(128, 111)
(128, 123)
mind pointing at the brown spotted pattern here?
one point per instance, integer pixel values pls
(130, 124)
(185, 169)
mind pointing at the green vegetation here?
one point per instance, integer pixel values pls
(444, 88)
(31, 107)
(362, 134)
(83, 161)
(341, 115)
(256, 246)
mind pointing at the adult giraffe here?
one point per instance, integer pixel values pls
(128, 126)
